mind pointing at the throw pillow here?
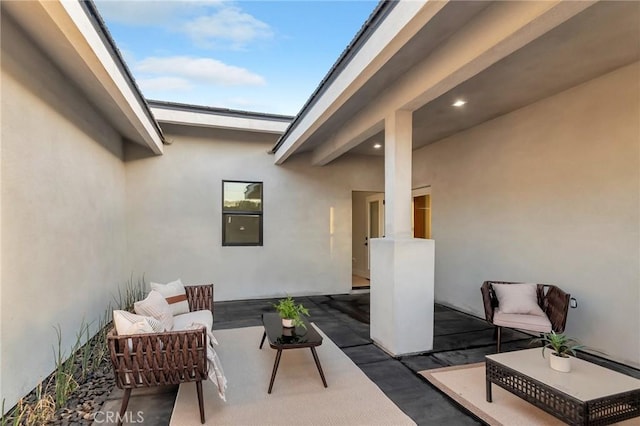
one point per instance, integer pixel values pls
(175, 295)
(155, 306)
(128, 323)
(518, 299)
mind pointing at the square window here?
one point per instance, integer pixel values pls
(241, 213)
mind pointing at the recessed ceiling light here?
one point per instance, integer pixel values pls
(377, 146)
(459, 103)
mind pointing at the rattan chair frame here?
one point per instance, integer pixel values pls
(551, 299)
(167, 358)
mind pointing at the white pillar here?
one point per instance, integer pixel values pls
(402, 267)
(397, 174)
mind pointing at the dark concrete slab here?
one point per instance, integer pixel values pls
(472, 339)
(366, 354)
(240, 323)
(151, 406)
(422, 362)
(415, 396)
(473, 355)
(341, 334)
(451, 322)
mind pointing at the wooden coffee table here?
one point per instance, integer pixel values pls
(294, 338)
(588, 395)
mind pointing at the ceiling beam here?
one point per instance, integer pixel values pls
(348, 137)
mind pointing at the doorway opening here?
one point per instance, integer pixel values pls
(368, 222)
(421, 207)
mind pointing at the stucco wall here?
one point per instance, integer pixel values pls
(63, 227)
(174, 216)
(549, 193)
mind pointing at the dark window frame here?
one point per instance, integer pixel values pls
(226, 213)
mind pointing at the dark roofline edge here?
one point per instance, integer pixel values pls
(379, 13)
(216, 110)
(94, 16)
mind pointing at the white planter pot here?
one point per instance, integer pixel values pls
(288, 323)
(559, 363)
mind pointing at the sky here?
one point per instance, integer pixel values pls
(263, 56)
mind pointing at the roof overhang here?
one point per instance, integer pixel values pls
(200, 116)
(73, 36)
(421, 55)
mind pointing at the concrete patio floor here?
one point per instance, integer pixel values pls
(459, 339)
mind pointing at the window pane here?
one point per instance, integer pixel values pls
(242, 196)
(241, 229)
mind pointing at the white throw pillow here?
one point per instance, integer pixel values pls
(155, 306)
(128, 323)
(518, 299)
(175, 295)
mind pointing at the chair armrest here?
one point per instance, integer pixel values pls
(153, 359)
(556, 306)
(488, 301)
(200, 297)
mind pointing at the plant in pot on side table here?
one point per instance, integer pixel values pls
(291, 313)
(561, 346)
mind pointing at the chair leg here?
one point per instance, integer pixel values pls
(498, 337)
(200, 403)
(125, 403)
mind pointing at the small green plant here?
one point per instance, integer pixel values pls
(288, 309)
(133, 292)
(560, 344)
(100, 339)
(37, 413)
(85, 350)
(42, 411)
(63, 381)
(15, 416)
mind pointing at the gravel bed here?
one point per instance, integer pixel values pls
(85, 401)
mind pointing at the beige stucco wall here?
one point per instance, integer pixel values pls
(63, 227)
(549, 193)
(174, 216)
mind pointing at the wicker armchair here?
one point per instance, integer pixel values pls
(553, 301)
(168, 358)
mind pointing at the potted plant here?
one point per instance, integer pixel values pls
(291, 313)
(561, 347)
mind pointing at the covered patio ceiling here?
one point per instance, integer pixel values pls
(597, 40)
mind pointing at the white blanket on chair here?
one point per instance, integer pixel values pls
(216, 373)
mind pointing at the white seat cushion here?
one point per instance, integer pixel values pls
(183, 321)
(537, 323)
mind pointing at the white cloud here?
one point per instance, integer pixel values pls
(200, 70)
(152, 12)
(210, 23)
(229, 24)
(163, 83)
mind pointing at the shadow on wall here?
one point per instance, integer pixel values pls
(34, 72)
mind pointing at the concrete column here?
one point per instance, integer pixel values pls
(397, 174)
(402, 267)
